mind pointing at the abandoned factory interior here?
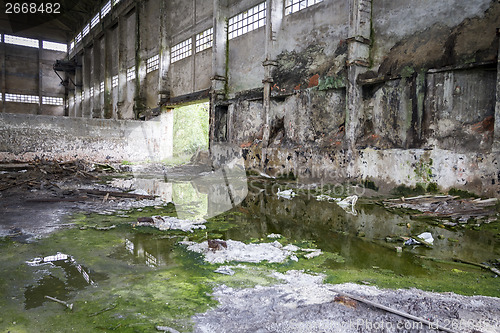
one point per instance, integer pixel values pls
(250, 166)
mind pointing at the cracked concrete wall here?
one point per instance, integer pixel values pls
(30, 137)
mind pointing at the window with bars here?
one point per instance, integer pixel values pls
(182, 50)
(152, 63)
(91, 92)
(115, 2)
(292, 6)
(82, 96)
(1, 94)
(247, 21)
(101, 87)
(54, 46)
(86, 30)
(95, 21)
(131, 73)
(52, 100)
(19, 98)
(72, 45)
(204, 40)
(15, 40)
(114, 81)
(106, 9)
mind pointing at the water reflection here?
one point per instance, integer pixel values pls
(57, 276)
(142, 249)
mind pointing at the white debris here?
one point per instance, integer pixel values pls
(140, 192)
(287, 194)
(274, 236)
(349, 201)
(173, 223)
(426, 236)
(226, 270)
(312, 254)
(324, 197)
(238, 251)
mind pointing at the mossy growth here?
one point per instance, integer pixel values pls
(404, 191)
(462, 193)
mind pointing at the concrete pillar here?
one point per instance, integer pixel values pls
(95, 109)
(496, 136)
(220, 52)
(167, 138)
(141, 31)
(274, 18)
(77, 108)
(107, 106)
(357, 63)
(3, 75)
(122, 65)
(40, 77)
(85, 83)
(164, 54)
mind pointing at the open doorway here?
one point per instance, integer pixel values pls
(191, 132)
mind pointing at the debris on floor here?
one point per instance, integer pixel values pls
(286, 194)
(254, 253)
(170, 223)
(446, 206)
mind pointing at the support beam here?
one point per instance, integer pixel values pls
(40, 77)
(164, 54)
(3, 74)
(141, 31)
(107, 106)
(122, 65)
(496, 135)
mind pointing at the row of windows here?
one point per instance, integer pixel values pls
(105, 10)
(32, 99)
(247, 21)
(30, 42)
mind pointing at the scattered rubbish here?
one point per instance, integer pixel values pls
(493, 269)
(274, 236)
(445, 206)
(427, 237)
(216, 244)
(119, 194)
(170, 223)
(399, 249)
(312, 253)
(239, 251)
(166, 329)
(66, 304)
(345, 301)
(324, 197)
(226, 270)
(347, 203)
(411, 241)
(140, 192)
(433, 325)
(286, 194)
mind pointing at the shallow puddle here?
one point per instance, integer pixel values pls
(126, 277)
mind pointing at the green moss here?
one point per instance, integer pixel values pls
(462, 193)
(331, 82)
(403, 190)
(368, 183)
(407, 72)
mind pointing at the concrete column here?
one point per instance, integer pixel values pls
(220, 52)
(167, 138)
(357, 63)
(107, 106)
(164, 54)
(141, 31)
(496, 136)
(77, 107)
(95, 108)
(122, 65)
(3, 77)
(40, 77)
(85, 83)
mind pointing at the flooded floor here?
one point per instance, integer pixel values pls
(111, 272)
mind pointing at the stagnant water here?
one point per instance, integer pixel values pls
(121, 277)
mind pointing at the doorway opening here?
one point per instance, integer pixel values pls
(190, 132)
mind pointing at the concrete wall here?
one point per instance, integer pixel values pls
(28, 137)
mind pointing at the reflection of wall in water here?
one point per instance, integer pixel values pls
(153, 253)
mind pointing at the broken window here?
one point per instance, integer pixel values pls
(52, 100)
(15, 40)
(204, 40)
(54, 46)
(19, 98)
(181, 50)
(292, 6)
(131, 73)
(152, 63)
(220, 126)
(247, 21)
